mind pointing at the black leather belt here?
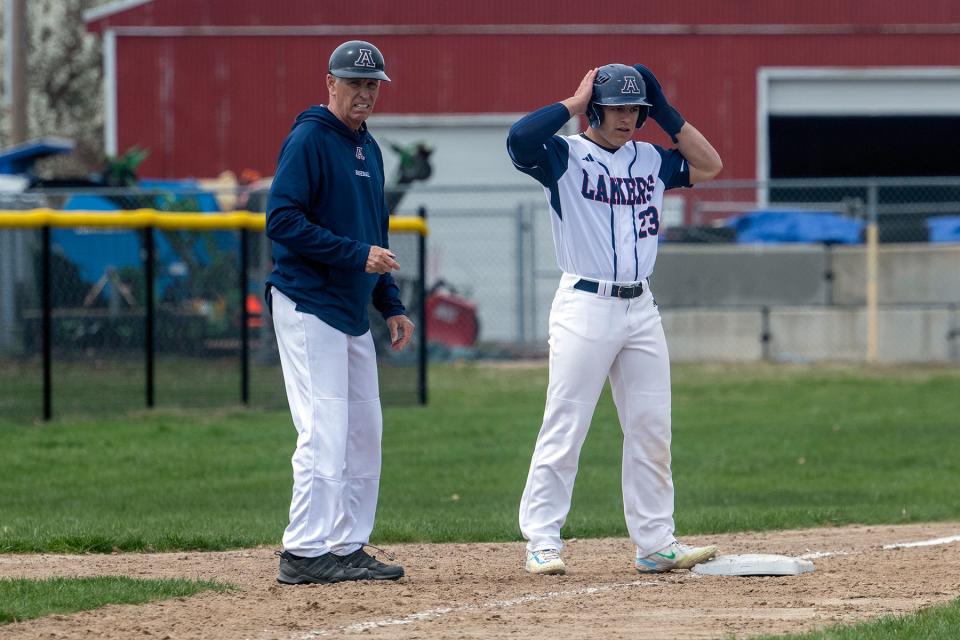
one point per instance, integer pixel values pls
(616, 291)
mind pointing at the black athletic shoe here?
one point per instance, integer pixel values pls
(325, 569)
(378, 570)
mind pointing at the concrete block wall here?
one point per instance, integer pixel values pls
(907, 274)
(812, 334)
(739, 275)
(736, 275)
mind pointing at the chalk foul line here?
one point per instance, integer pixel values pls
(432, 614)
(922, 543)
(932, 542)
(813, 555)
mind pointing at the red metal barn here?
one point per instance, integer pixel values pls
(210, 85)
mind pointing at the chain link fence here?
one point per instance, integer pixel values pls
(781, 270)
(201, 339)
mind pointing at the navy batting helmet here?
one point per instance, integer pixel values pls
(617, 84)
(357, 59)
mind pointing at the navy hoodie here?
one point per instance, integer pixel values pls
(326, 209)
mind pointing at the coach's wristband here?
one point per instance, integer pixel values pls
(669, 120)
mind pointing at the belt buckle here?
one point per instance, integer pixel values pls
(629, 291)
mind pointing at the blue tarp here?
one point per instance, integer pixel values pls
(796, 226)
(19, 159)
(944, 228)
(96, 250)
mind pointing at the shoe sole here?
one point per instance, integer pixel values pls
(687, 562)
(296, 581)
(374, 576)
(696, 558)
(288, 580)
(547, 571)
(664, 570)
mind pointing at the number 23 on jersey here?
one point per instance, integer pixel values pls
(648, 222)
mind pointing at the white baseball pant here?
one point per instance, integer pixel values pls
(331, 383)
(594, 336)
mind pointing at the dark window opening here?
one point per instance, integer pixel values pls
(864, 146)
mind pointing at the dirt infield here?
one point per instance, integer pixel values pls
(480, 590)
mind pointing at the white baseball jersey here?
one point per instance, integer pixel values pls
(606, 203)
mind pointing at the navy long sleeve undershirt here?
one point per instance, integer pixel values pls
(529, 134)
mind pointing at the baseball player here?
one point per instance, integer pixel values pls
(327, 218)
(606, 193)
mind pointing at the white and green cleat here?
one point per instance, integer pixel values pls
(545, 562)
(675, 555)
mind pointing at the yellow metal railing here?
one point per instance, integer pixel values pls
(141, 218)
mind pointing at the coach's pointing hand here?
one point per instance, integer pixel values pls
(381, 260)
(579, 101)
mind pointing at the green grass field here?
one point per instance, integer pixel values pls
(91, 388)
(935, 623)
(755, 447)
(27, 599)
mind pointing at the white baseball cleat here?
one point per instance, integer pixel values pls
(545, 562)
(675, 555)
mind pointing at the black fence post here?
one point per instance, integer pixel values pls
(46, 302)
(828, 275)
(953, 333)
(520, 230)
(422, 267)
(149, 346)
(244, 319)
(765, 335)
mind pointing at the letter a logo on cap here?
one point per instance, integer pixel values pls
(630, 85)
(365, 59)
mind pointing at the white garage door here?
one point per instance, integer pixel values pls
(893, 91)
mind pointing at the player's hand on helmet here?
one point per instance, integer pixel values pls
(663, 113)
(381, 260)
(580, 100)
(401, 330)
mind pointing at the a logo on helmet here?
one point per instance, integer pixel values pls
(365, 59)
(630, 85)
